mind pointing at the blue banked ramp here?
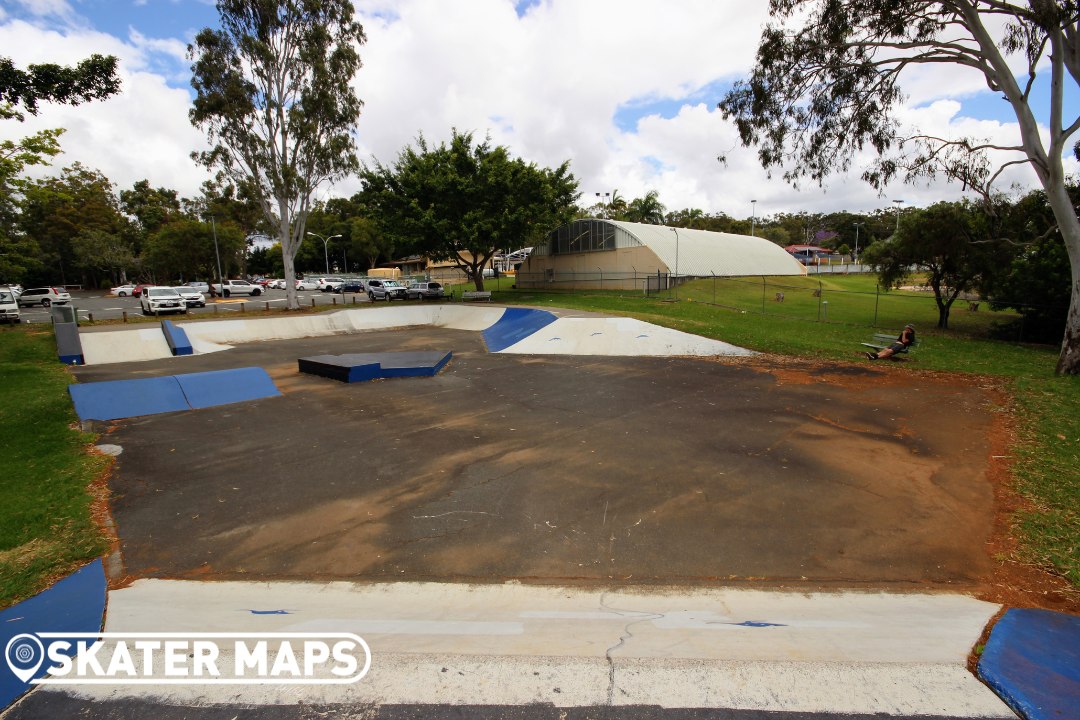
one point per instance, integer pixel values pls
(177, 338)
(361, 367)
(515, 325)
(117, 399)
(1032, 661)
(75, 604)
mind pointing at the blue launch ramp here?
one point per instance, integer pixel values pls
(75, 604)
(361, 367)
(515, 325)
(1032, 661)
(222, 387)
(177, 338)
(116, 399)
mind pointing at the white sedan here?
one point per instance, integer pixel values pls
(123, 291)
(307, 284)
(276, 284)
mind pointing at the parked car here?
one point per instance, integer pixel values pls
(276, 284)
(200, 286)
(192, 297)
(140, 287)
(237, 287)
(307, 284)
(126, 290)
(330, 284)
(156, 300)
(353, 286)
(44, 297)
(379, 289)
(424, 290)
(9, 306)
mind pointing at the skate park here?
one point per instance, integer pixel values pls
(680, 485)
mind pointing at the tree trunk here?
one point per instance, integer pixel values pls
(1069, 226)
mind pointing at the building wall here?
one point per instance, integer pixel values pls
(620, 269)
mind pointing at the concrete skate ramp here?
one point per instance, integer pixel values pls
(514, 330)
(617, 336)
(118, 346)
(515, 325)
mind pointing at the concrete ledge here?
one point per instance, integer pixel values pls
(361, 367)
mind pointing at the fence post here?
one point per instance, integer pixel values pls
(243, 306)
(267, 306)
(312, 301)
(125, 316)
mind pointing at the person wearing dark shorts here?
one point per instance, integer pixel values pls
(904, 341)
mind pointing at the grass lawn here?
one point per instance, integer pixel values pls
(46, 529)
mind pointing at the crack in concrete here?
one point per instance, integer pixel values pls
(626, 635)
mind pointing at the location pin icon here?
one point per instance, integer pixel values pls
(24, 654)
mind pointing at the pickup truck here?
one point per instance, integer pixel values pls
(236, 287)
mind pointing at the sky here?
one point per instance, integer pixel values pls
(626, 90)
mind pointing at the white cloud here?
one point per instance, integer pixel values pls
(548, 85)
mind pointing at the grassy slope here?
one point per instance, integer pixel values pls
(46, 528)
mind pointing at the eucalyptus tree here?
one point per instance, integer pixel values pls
(827, 84)
(274, 94)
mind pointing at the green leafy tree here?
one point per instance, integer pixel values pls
(92, 79)
(367, 241)
(826, 85)
(646, 209)
(184, 248)
(62, 213)
(152, 208)
(274, 94)
(20, 253)
(465, 202)
(955, 244)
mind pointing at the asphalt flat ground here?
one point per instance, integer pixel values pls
(559, 469)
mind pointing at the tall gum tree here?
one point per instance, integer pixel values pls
(274, 95)
(826, 85)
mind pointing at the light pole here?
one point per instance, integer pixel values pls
(857, 226)
(603, 204)
(676, 231)
(753, 217)
(325, 246)
(220, 277)
(897, 203)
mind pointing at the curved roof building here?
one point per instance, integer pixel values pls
(615, 254)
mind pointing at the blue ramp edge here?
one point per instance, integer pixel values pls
(1032, 661)
(177, 338)
(515, 325)
(75, 604)
(222, 387)
(115, 399)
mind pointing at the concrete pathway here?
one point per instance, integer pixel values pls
(505, 645)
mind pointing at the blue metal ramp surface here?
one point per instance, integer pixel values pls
(1032, 661)
(515, 325)
(116, 399)
(75, 604)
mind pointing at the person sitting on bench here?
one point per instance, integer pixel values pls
(901, 344)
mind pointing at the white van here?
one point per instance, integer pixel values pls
(9, 306)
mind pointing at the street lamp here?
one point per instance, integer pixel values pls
(897, 203)
(857, 226)
(325, 245)
(603, 203)
(676, 231)
(220, 277)
(753, 217)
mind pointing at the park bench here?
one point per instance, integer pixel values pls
(476, 295)
(882, 341)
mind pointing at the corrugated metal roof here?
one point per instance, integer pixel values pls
(704, 253)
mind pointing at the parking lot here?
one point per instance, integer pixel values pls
(560, 469)
(99, 305)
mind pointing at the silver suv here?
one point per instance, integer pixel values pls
(424, 290)
(156, 300)
(45, 297)
(378, 289)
